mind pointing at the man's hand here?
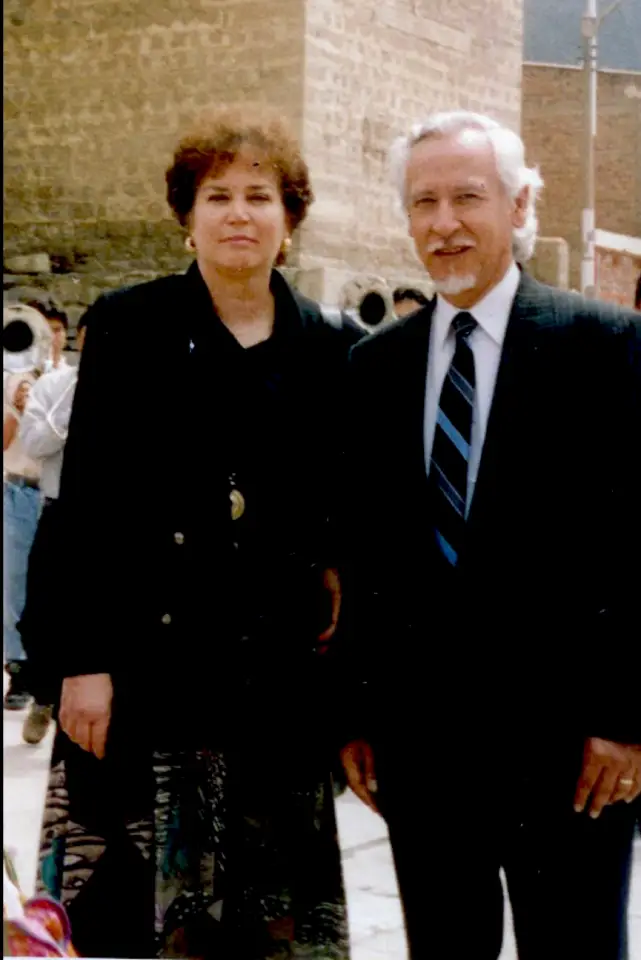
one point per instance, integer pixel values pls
(21, 395)
(85, 711)
(611, 772)
(358, 761)
(332, 584)
(10, 427)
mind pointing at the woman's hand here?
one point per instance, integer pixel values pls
(10, 428)
(332, 584)
(85, 711)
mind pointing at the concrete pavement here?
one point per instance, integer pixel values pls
(376, 925)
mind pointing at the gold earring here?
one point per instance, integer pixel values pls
(286, 246)
(189, 244)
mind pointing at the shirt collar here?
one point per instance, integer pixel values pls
(287, 318)
(491, 313)
(49, 367)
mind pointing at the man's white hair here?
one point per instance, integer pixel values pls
(510, 160)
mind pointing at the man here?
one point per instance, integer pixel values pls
(43, 433)
(21, 501)
(21, 506)
(408, 300)
(59, 326)
(58, 322)
(496, 567)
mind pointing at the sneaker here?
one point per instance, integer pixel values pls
(17, 696)
(36, 723)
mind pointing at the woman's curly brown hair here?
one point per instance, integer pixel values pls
(215, 140)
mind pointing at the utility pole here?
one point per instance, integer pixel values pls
(590, 31)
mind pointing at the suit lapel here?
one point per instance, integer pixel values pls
(409, 419)
(533, 310)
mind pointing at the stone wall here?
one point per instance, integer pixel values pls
(551, 262)
(75, 291)
(552, 127)
(96, 92)
(373, 68)
(617, 274)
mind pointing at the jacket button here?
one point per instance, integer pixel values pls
(179, 538)
(166, 618)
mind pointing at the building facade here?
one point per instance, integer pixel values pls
(97, 92)
(553, 127)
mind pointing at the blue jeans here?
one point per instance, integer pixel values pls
(21, 511)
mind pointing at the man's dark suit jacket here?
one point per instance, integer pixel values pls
(539, 628)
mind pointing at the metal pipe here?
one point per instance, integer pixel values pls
(609, 10)
(590, 25)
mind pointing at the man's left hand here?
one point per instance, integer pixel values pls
(331, 583)
(611, 772)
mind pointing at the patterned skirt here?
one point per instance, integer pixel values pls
(193, 854)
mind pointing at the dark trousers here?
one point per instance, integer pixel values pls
(454, 823)
(115, 907)
(45, 594)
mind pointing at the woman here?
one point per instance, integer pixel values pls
(43, 431)
(189, 810)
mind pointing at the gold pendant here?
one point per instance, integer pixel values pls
(237, 504)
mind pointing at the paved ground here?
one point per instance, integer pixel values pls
(375, 914)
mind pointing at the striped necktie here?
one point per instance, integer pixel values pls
(452, 439)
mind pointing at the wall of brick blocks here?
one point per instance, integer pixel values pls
(617, 275)
(75, 291)
(373, 69)
(552, 126)
(97, 90)
(551, 262)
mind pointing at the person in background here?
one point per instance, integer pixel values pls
(58, 324)
(43, 434)
(22, 500)
(190, 769)
(32, 927)
(21, 508)
(408, 300)
(50, 308)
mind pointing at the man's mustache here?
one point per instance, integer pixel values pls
(438, 245)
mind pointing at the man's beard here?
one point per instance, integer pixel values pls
(453, 285)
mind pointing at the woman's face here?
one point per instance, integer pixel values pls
(238, 220)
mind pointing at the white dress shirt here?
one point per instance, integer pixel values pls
(45, 423)
(48, 366)
(486, 341)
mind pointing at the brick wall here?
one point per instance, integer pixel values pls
(96, 91)
(372, 69)
(95, 94)
(551, 262)
(552, 127)
(617, 274)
